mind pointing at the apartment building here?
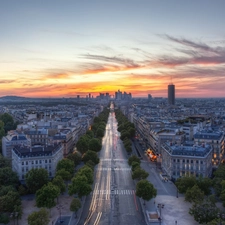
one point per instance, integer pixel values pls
(12, 139)
(186, 160)
(24, 158)
(215, 139)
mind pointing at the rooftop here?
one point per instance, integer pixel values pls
(188, 150)
(37, 150)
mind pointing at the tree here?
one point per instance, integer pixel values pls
(58, 181)
(90, 133)
(139, 174)
(66, 176)
(183, 183)
(8, 121)
(133, 158)
(132, 132)
(38, 218)
(66, 164)
(90, 155)
(8, 177)
(9, 200)
(75, 205)
(100, 132)
(45, 197)
(80, 186)
(204, 212)
(36, 178)
(194, 194)
(88, 172)
(205, 184)
(135, 165)
(95, 145)
(75, 157)
(4, 162)
(82, 144)
(145, 190)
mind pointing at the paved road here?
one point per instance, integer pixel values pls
(113, 200)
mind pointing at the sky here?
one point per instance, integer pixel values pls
(65, 48)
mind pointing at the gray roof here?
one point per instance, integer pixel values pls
(208, 134)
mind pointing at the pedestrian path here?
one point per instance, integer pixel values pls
(115, 192)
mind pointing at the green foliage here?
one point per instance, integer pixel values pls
(5, 189)
(219, 175)
(9, 200)
(100, 132)
(183, 183)
(205, 185)
(87, 172)
(139, 174)
(45, 197)
(82, 144)
(8, 177)
(95, 145)
(145, 190)
(66, 176)
(4, 218)
(132, 159)
(38, 218)
(4, 162)
(194, 194)
(8, 121)
(90, 164)
(135, 165)
(75, 157)
(205, 211)
(75, 205)
(90, 134)
(91, 155)
(80, 186)
(66, 164)
(59, 182)
(36, 178)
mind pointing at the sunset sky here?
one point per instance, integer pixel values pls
(65, 48)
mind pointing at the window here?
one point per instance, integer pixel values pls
(191, 161)
(183, 160)
(174, 160)
(36, 161)
(49, 160)
(22, 169)
(187, 160)
(46, 161)
(196, 161)
(178, 160)
(201, 162)
(22, 163)
(26, 162)
(39, 161)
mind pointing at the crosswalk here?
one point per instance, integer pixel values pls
(107, 169)
(118, 160)
(115, 192)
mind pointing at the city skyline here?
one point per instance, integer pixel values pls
(58, 49)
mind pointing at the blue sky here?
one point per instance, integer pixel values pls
(64, 48)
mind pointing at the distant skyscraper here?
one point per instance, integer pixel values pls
(171, 94)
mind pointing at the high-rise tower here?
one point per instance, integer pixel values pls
(171, 94)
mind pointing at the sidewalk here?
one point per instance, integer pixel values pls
(175, 209)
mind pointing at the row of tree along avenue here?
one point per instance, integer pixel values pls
(71, 177)
(144, 189)
(206, 196)
(126, 129)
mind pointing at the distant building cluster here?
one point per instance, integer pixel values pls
(46, 134)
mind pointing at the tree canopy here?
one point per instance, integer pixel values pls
(36, 178)
(91, 155)
(38, 218)
(45, 197)
(75, 205)
(145, 190)
(66, 164)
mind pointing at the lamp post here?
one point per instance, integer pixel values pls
(221, 216)
(59, 207)
(160, 207)
(15, 215)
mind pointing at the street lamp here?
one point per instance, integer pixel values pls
(160, 207)
(15, 215)
(59, 207)
(221, 216)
